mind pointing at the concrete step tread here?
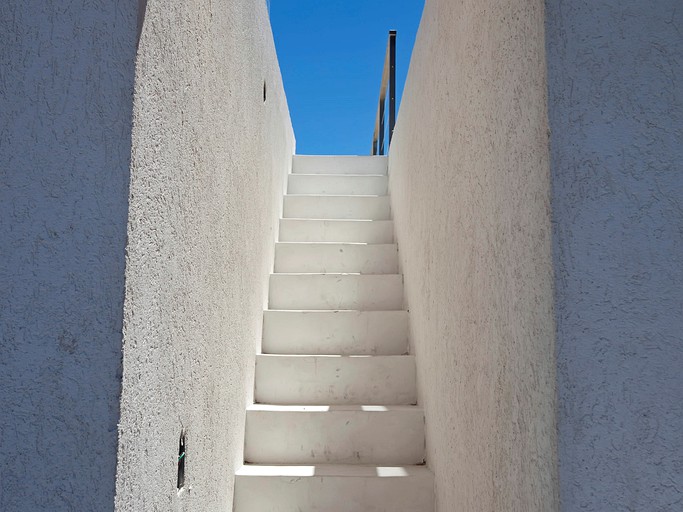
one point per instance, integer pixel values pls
(333, 408)
(335, 380)
(393, 274)
(335, 470)
(334, 164)
(340, 175)
(336, 230)
(340, 244)
(336, 291)
(333, 356)
(325, 257)
(335, 331)
(340, 221)
(383, 435)
(326, 219)
(334, 488)
(335, 196)
(317, 206)
(332, 311)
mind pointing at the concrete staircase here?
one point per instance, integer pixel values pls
(335, 426)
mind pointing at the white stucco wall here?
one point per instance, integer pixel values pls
(66, 100)
(616, 112)
(209, 161)
(469, 178)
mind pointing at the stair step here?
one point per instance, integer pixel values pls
(338, 184)
(334, 488)
(335, 427)
(318, 164)
(335, 380)
(316, 230)
(336, 257)
(336, 291)
(337, 207)
(335, 332)
(338, 434)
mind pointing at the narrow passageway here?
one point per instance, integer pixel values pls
(336, 426)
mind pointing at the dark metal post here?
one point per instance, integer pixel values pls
(388, 75)
(381, 127)
(392, 83)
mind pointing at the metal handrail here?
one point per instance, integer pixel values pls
(388, 74)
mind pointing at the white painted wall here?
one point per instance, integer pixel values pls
(66, 100)
(469, 178)
(209, 162)
(615, 72)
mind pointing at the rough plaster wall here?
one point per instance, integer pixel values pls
(66, 100)
(616, 112)
(209, 161)
(469, 178)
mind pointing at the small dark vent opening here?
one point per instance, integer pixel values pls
(182, 457)
(264, 91)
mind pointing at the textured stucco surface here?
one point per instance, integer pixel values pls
(66, 100)
(616, 113)
(469, 178)
(209, 162)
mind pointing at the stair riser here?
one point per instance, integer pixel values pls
(337, 207)
(334, 494)
(375, 232)
(336, 291)
(337, 185)
(335, 332)
(305, 164)
(311, 380)
(325, 258)
(393, 437)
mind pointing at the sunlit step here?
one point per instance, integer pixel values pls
(336, 258)
(334, 488)
(339, 434)
(336, 291)
(317, 164)
(338, 184)
(335, 332)
(330, 230)
(336, 207)
(335, 380)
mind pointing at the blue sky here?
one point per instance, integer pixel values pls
(331, 54)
